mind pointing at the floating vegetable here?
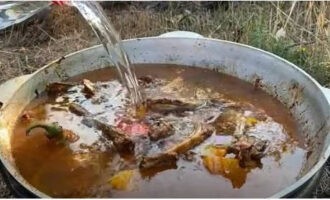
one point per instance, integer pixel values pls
(251, 121)
(52, 130)
(215, 162)
(122, 180)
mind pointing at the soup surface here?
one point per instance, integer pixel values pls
(200, 134)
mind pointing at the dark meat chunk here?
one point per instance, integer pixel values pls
(249, 151)
(56, 88)
(149, 81)
(150, 166)
(158, 160)
(227, 122)
(120, 140)
(145, 80)
(166, 106)
(58, 108)
(160, 129)
(201, 133)
(78, 110)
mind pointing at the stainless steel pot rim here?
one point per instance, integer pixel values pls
(284, 192)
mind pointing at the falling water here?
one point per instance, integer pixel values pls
(110, 39)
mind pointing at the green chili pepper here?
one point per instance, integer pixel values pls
(52, 130)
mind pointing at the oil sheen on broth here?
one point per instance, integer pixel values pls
(203, 134)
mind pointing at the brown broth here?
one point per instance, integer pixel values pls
(75, 171)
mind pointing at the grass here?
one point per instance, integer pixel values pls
(296, 31)
(306, 26)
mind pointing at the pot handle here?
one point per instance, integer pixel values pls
(181, 34)
(326, 92)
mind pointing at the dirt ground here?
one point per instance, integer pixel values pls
(298, 32)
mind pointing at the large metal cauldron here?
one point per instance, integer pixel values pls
(297, 90)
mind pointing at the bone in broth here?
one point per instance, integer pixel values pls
(200, 133)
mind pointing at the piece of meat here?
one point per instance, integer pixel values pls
(166, 106)
(201, 133)
(89, 88)
(120, 140)
(152, 165)
(56, 88)
(132, 128)
(249, 151)
(58, 108)
(158, 160)
(78, 110)
(229, 123)
(159, 129)
(145, 81)
(52, 130)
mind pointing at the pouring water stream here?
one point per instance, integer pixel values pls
(110, 39)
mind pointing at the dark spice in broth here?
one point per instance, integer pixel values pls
(202, 134)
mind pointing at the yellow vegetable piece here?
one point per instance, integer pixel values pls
(211, 150)
(122, 180)
(234, 172)
(251, 121)
(215, 162)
